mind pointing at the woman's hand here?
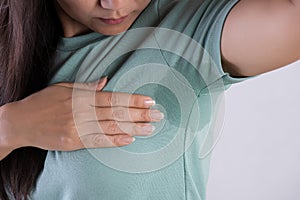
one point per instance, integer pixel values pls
(56, 118)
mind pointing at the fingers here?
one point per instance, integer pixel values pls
(102, 141)
(108, 119)
(101, 83)
(108, 99)
(121, 114)
(116, 128)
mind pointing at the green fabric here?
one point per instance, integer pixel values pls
(162, 56)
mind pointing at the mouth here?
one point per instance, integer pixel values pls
(113, 21)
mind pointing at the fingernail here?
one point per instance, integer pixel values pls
(156, 115)
(148, 128)
(149, 102)
(100, 82)
(127, 139)
(103, 79)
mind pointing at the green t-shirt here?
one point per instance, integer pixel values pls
(171, 53)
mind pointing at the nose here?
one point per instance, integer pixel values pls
(113, 4)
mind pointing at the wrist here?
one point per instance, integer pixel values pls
(4, 152)
(9, 140)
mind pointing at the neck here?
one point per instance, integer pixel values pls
(70, 27)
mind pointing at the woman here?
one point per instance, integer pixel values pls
(84, 56)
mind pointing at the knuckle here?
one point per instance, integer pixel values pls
(67, 102)
(115, 99)
(81, 101)
(136, 100)
(69, 124)
(66, 142)
(109, 99)
(145, 115)
(70, 129)
(119, 113)
(112, 127)
(98, 140)
(80, 114)
(136, 130)
(74, 132)
(115, 141)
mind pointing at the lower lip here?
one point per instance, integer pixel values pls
(113, 21)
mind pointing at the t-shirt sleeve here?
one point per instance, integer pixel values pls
(215, 17)
(203, 22)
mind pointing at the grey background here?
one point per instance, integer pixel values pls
(258, 155)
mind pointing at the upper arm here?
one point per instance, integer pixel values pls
(261, 35)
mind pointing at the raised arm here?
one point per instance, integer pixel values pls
(260, 36)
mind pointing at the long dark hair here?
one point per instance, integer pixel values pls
(29, 33)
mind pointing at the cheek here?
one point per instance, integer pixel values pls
(76, 9)
(144, 3)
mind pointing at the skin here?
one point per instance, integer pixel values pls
(51, 123)
(87, 20)
(258, 36)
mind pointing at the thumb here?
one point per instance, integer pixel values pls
(93, 86)
(101, 83)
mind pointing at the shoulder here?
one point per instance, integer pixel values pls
(261, 35)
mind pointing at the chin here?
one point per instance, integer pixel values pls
(113, 30)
